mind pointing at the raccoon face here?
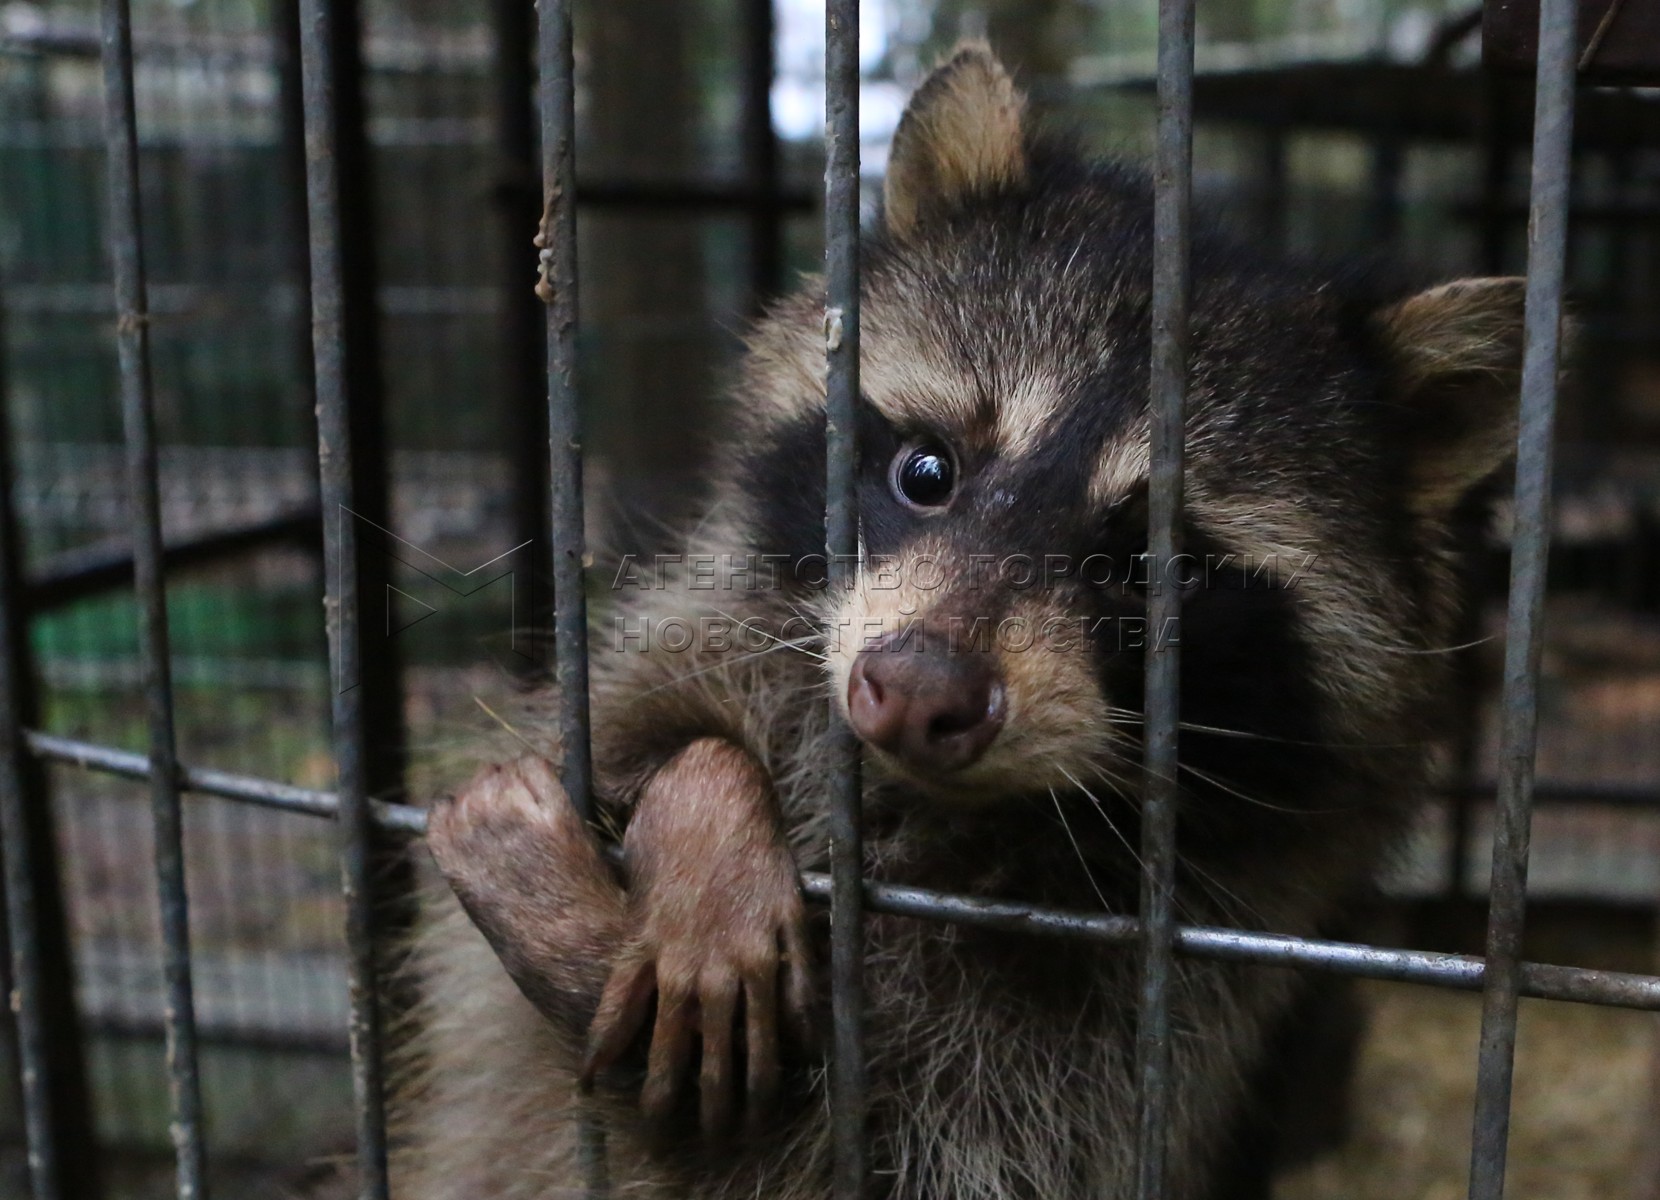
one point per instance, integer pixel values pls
(994, 640)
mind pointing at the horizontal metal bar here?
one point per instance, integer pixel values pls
(696, 196)
(1434, 968)
(395, 818)
(274, 1041)
(78, 574)
(1567, 795)
(1462, 972)
(420, 55)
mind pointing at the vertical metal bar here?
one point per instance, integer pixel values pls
(319, 38)
(1172, 192)
(1507, 898)
(1494, 133)
(138, 418)
(58, 1119)
(28, 991)
(1387, 166)
(1273, 190)
(556, 69)
(522, 328)
(760, 150)
(841, 528)
(296, 253)
(558, 101)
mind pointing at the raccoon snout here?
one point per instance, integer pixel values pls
(935, 711)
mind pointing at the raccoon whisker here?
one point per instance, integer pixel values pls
(1124, 716)
(1119, 784)
(1214, 781)
(798, 643)
(1285, 741)
(1078, 850)
(1252, 735)
(1217, 782)
(1076, 250)
(722, 665)
(1101, 809)
(502, 721)
(1481, 641)
(704, 520)
(1115, 785)
(1209, 882)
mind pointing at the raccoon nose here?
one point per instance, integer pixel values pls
(935, 710)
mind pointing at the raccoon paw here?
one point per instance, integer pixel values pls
(531, 877)
(720, 940)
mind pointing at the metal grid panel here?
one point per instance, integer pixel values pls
(1502, 975)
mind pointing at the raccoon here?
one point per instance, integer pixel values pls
(989, 655)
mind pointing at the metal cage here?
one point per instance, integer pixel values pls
(347, 450)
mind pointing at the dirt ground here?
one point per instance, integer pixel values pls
(1582, 1120)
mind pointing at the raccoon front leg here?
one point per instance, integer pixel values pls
(531, 877)
(719, 939)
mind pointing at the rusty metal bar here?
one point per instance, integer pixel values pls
(558, 241)
(323, 26)
(28, 990)
(402, 819)
(1544, 981)
(77, 574)
(1507, 895)
(521, 326)
(1167, 401)
(556, 67)
(841, 526)
(138, 418)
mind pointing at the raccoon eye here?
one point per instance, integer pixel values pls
(923, 475)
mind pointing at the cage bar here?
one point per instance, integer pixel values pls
(1167, 401)
(75, 575)
(352, 474)
(138, 419)
(318, 36)
(521, 327)
(841, 532)
(1459, 972)
(556, 95)
(760, 150)
(28, 991)
(1507, 897)
(558, 243)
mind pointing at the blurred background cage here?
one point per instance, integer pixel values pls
(1329, 128)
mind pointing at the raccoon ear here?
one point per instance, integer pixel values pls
(961, 132)
(1457, 350)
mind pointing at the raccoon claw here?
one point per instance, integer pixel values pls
(730, 1005)
(622, 1013)
(720, 941)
